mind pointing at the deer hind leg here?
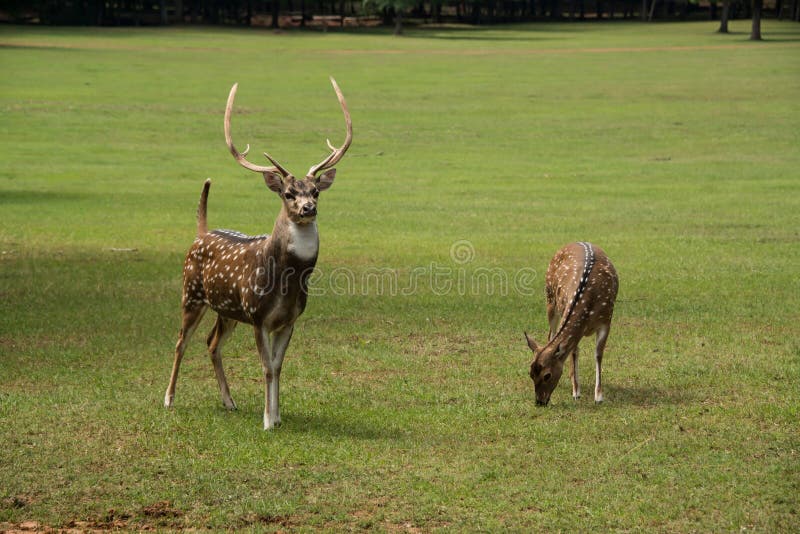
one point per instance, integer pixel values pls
(600, 345)
(573, 374)
(222, 330)
(271, 349)
(190, 320)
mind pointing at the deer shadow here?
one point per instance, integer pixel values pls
(333, 426)
(29, 196)
(645, 396)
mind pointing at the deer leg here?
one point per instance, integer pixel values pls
(573, 374)
(264, 346)
(280, 342)
(190, 320)
(552, 319)
(600, 345)
(222, 330)
(271, 348)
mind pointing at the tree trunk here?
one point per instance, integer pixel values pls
(398, 21)
(723, 20)
(755, 32)
(99, 11)
(276, 11)
(162, 8)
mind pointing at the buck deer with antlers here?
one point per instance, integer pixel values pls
(258, 280)
(581, 288)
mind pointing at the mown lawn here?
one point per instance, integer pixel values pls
(406, 403)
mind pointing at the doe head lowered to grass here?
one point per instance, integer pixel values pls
(581, 288)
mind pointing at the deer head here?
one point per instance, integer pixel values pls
(546, 368)
(299, 197)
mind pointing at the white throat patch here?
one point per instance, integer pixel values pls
(303, 240)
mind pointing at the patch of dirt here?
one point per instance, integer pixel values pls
(19, 501)
(404, 527)
(547, 51)
(111, 520)
(108, 45)
(25, 526)
(161, 509)
(157, 516)
(253, 519)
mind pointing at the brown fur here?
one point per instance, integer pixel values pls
(257, 280)
(202, 224)
(591, 313)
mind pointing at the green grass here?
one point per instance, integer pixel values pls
(672, 147)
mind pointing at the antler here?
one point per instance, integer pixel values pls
(240, 156)
(336, 153)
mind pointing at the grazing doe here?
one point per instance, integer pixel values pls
(259, 280)
(581, 287)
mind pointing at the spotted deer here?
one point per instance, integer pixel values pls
(258, 280)
(581, 288)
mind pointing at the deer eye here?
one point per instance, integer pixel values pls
(288, 196)
(315, 193)
(546, 377)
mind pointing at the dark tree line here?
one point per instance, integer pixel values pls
(283, 13)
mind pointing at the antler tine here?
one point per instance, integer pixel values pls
(336, 153)
(240, 156)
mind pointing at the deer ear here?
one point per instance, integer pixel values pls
(325, 180)
(274, 181)
(531, 343)
(561, 352)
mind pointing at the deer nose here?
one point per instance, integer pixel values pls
(309, 209)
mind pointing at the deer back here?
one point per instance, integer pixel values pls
(581, 286)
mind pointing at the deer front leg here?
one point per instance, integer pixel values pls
(573, 374)
(280, 342)
(271, 348)
(552, 319)
(600, 345)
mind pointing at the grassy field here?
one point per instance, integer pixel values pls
(476, 151)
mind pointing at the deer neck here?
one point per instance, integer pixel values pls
(295, 243)
(569, 335)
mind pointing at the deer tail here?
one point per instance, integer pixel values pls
(202, 225)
